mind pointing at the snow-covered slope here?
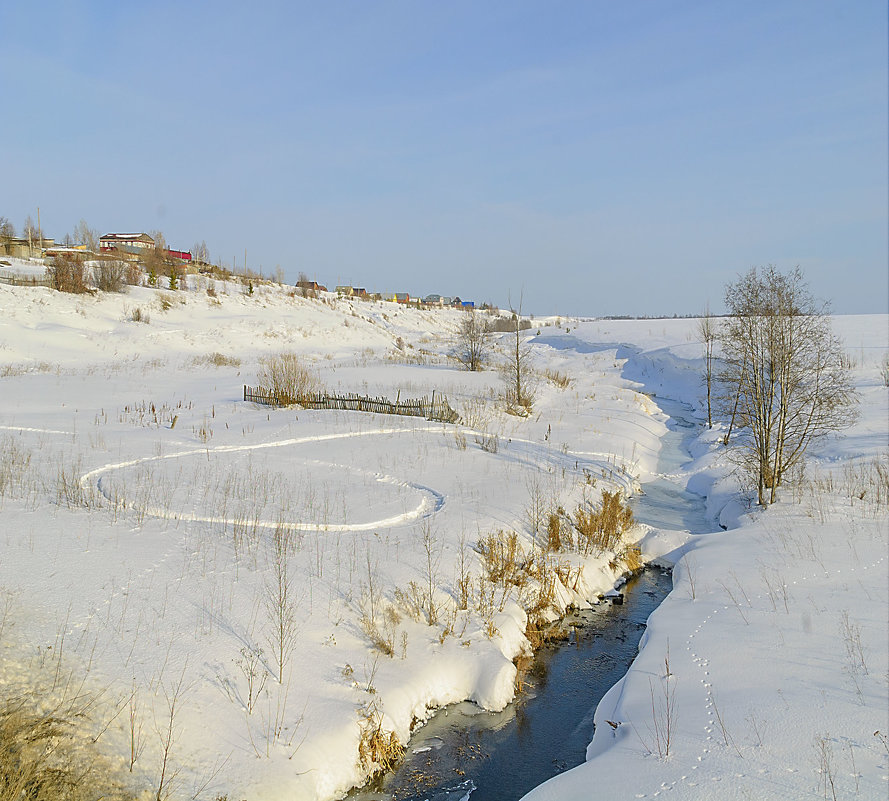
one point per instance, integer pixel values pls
(171, 546)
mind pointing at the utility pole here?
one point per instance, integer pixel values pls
(39, 231)
(245, 262)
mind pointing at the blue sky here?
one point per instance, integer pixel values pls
(601, 157)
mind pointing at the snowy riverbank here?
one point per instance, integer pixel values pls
(144, 496)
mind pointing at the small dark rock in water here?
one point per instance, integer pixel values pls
(618, 599)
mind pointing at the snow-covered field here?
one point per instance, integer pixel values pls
(168, 546)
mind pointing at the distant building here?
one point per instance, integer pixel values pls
(402, 297)
(433, 300)
(77, 251)
(134, 244)
(312, 286)
(21, 248)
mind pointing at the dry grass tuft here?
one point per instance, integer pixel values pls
(378, 750)
(504, 559)
(217, 359)
(42, 759)
(600, 529)
(630, 558)
(561, 380)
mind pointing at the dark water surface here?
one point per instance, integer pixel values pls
(463, 751)
(501, 756)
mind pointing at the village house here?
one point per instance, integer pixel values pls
(21, 248)
(71, 251)
(311, 286)
(132, 244)
(352, 291)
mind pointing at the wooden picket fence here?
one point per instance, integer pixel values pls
(434, 408)
(16, 279)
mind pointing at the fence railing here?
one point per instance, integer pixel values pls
(16, 279)
(432, 408)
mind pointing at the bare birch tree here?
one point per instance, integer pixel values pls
(517, 371)
(706, 330)
(85, 235)
(280, 601)
(473, 340)
(783, 378)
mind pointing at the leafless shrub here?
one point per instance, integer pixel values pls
(287, 377)
(14, 464)
(706, 331)
(690, 572)
(824, 755)
(864, 484)
(168, 734)
(505, 325)
(67, 274)
(490, 443)
(136, 736)
(432, 558)
(727, 738)
(280, 601)
(111, 275)
(663, 714)
(473, 340)
(851, 633)
(476, 413)
(69, 490)
(464, 577)
(884, 369)
(517, 372)
(381, 624)
(251, 666)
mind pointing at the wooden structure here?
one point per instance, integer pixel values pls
(434, 408)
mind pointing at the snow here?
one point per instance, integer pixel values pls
(140, 520)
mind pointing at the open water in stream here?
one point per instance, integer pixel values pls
(463, 752)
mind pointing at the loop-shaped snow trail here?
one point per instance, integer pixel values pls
(430, 502)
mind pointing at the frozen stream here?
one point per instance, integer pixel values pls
(463, 751)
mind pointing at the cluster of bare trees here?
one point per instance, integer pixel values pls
(474, 346)
(780, 381)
